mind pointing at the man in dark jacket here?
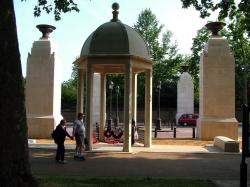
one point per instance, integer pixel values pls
(61, 133)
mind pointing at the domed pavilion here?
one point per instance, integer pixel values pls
(115, 48)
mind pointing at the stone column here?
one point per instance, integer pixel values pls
(134, 96)
(43, 86)
(185, 95)
(96, 98)
(127, 108)
(89, 106)
(80, 91)
(217, 90)
(102, 107)
(148, 109)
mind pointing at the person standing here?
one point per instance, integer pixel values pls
(79, 134)
(61, 133)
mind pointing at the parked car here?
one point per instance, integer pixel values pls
(188, 119)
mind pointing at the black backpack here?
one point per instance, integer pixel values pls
(54, 135)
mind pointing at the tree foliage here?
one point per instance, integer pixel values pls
(227, 9)
(150, 29)
(240, 45)
(238, 36)
(164, 52)
(69, 93)
(69, 90)
(56, 6)
(194, 59)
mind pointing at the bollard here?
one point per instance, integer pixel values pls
(155, 132)
(97, 131)
(174, 132)
(193, 132)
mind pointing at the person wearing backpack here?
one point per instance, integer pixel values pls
(59, 136)
(79, 133)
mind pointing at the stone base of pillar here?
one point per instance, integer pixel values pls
(42, 126)
(101, 136)
(127, 149)
(207, 129)
(147, 144)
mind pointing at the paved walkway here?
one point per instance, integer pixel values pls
(172, 161)
(117, 148)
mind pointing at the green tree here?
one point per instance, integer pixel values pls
(239, 26)
(69, 94)
(194, 59)
(240, 45)
(69, 90)
(227, 9)
(150, 29)
(164, 52)
(57, 7)
(14, 155)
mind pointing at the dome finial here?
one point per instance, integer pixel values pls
(115, 7)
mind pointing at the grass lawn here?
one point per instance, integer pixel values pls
(120, 182)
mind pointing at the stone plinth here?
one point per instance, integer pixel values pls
(185, 95)
(226, 144)
(43, 89)
(217, 91)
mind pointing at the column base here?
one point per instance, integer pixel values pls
(208, 128)
(126, 149)
(41, 126)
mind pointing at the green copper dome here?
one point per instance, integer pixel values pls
(115, 38)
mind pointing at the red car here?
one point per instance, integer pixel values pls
(188, 119)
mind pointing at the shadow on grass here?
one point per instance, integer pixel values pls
(120, 182)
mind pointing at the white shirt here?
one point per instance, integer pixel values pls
(79, 127)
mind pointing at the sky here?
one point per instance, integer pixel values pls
(74, 28)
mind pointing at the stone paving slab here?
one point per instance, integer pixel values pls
(104, 147)
(160, 148)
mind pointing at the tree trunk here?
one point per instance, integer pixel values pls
(14, 154)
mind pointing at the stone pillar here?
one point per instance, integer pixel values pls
(89, 106)
(185, 95)
(217, 90)
(80, 93)
(134, 96)
(96, 98)
(127, 108)
(102, 107)
(43, 87)
(148, 109)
